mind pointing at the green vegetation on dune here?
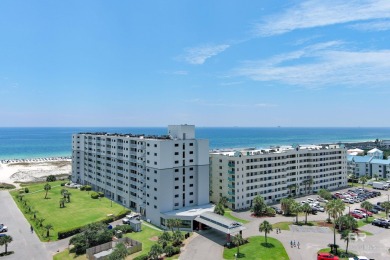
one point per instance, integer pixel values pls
(81, 210)
(258, 249)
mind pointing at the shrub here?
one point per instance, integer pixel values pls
(26, 190)
(69, 232)
(6, 186)
(51, 178)
(21, 191)
(176, 250)
(124, 228)
(94, 195)
(101, 194)
(88, 187)
(122, 214)
(82, 188)
(63, 183)
(141, 257)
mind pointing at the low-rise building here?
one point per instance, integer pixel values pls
(275, 173)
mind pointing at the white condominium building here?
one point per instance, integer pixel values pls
(242, 174)
(150, 174)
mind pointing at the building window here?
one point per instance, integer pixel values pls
(176, 153)
(155, 206)
(155, 154)
(191, 177)
(176, 162)
(176, 145)
(191, 152)
(176, 195)
(191, 160)
(176, 170)
(155, 145)
(191, 144)
(176, 204)
(191, 185)
(176, 187)
(177, 178)
(191, 193)
(191, 201)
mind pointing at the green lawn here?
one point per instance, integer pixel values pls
(362, 222)
(282, 225)
(228, 214)
(66, 255)
(80, 211)
(258, 249)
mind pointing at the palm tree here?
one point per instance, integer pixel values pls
(345, 237)
(265, 227)
(363, 179)
(306, 208)
(223, 200)
(376, 176)
(335, 208)
(48, 227)
(310, 182)
(177, 223)
(5, 240)
(386, 206)
(47, 187)
(155, 251)
(296, 208)
(347, 222)
(286, 205)
(170, 223)
(305, 183)
(62, 203)
(238, 240)
(219, 209)
(367, 206)
(40, 221)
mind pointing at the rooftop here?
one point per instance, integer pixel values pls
(141, 136)
(191, 211)
(380, 161)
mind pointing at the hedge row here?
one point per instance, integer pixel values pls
(72, 231)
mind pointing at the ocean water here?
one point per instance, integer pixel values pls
(36, 142)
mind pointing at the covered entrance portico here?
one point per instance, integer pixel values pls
(219, 223)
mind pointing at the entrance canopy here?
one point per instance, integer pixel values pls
(220, 223)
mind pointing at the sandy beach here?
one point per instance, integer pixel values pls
(33, 170)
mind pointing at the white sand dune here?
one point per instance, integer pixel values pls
(26, 171)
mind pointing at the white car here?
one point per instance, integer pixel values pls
(319, 208)
(3, 228)
(358, 258)
(322, 200)
(310, 200)
(360, 212)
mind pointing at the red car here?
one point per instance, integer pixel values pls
(356, 215)
(369, 213)
(326, 256)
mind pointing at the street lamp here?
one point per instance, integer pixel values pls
(349, 209)
(388, 198)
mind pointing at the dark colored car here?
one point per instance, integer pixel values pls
(377, 207)
(277, 210)
(375, 211)
(380, 223)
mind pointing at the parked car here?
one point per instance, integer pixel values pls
(358, 258)
(374, 211)
(277, 210)
(326, 256)
(322, 200)
(126, 221)
(360, 212)
(369, 213)
(356, 215)
(3, 228)
(319, 208)
(380, 223)
(377, 207)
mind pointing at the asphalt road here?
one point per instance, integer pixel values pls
(25, 244)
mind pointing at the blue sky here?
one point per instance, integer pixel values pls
(209, 63)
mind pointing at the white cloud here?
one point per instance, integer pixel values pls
(322, 65)
(372, 26)
(316, 13)
(198, 55)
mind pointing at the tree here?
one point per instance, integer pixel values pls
(48, 227)
(177, 223)
(346, 222)
(286, 205)
(62, 203)
(265, 227)
(325, 194)
(223, 200)
(259, 206)
(345, 237)
(219, 209)
(5, 240)
(306, 208)
(335, 209)
(367, 206)
(363, 180)
(40, 221)
(238, 240)
(177, 238)
(386, 206)
(169, 250)
(47, 187)
(164, 239)
(155, 252)
(296, 208)
(120, 252)
(376, 176)
(170, 223)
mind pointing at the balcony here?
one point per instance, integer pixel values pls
(232, 200)
(231, 164)
(231, 179)
(231, 172)
(231, 186)
(231, 193)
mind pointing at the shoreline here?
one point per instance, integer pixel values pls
(41, 159)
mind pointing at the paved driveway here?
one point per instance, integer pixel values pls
(24, 244)
(207, 245)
